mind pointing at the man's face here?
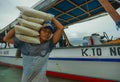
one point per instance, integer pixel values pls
(45, 34)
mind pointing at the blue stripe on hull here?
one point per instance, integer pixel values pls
(88, 59)
(81, 59)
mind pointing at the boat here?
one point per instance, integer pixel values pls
(94, 61)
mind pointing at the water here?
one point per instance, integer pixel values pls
(9, 74)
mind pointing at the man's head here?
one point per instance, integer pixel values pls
(46, 32)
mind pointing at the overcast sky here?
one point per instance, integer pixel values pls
(9, 12)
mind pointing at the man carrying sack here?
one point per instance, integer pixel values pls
(35, 56)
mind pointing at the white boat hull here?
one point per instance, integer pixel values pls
(101, 62)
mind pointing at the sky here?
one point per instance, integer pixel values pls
(9, 12)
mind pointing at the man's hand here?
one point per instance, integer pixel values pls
(9, 36)
(59, 30)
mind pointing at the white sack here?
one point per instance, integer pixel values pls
(25, 31)
(35, 13)
(29, 24)
(28, 39)
(32, 19)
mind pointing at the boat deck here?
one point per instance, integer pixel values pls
(8, 74)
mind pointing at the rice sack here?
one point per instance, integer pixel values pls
(28, 39)
(25, 31)
(29, 24)
(32, 19)
(35, 13)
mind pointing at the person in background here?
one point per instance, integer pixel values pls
(35, 56)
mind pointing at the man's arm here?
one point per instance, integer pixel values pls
(9, 37)
(59, 30)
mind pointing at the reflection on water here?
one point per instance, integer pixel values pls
(8, 74)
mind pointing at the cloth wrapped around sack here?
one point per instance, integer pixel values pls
(29, 24)
(32, 19)
(28, 39)
(35, 13)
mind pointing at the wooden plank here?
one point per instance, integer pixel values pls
(112, 12)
